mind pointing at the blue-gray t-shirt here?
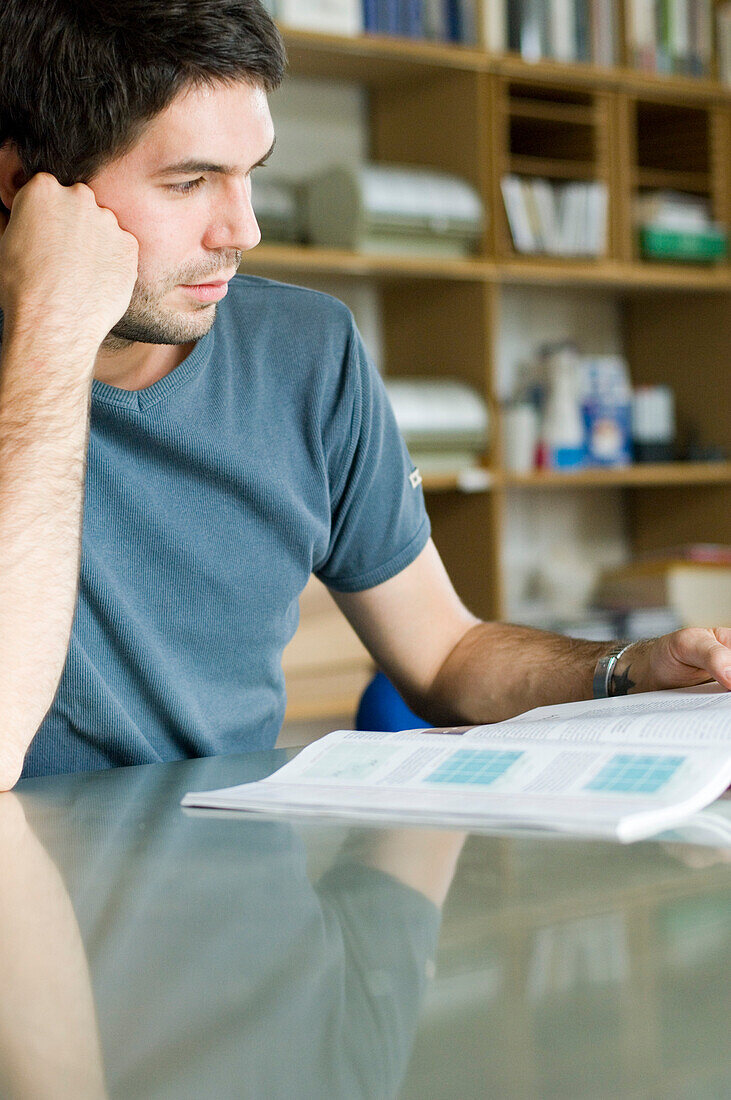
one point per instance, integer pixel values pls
(270, 453)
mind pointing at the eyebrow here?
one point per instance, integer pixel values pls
(190, 167)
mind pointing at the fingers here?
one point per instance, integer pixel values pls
(719, 654)
(723, 635)
(708, 650)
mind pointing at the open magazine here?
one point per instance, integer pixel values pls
(627, 767)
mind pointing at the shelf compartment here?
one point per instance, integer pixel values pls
(570, 142)
(664, 142)
(672, 136)
(563, 119)
(551, 130)
(682, 341)
(456, 343)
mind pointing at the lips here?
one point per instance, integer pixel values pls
(207, 292)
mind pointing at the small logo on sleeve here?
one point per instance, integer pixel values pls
(415, 478)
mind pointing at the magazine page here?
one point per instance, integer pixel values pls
(693, 717)
(583, 781)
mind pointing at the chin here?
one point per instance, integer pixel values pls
(181, 328)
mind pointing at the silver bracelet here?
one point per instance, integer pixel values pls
(604, 670)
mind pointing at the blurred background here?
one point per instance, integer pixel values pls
(526, 205)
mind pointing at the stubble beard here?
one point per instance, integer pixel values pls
(146, 321)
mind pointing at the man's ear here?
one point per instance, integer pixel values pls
(12, 175)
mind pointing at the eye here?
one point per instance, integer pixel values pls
(187, 187)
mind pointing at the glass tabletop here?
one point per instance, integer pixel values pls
(150, 951)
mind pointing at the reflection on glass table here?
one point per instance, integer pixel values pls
(149, 952)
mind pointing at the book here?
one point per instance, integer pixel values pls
(624, 768)
(582, 32)
(563, 30)
(520, 226)
(697, 246)
(434, 16)
(370, 16)
(604, 24)
(494, 26)
(468, 17)
(411, 19)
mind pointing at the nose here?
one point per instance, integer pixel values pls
(234, 225)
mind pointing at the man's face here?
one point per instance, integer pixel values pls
(192, 221)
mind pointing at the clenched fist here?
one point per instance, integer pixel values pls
(67, 269)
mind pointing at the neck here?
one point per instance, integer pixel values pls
(135, 366)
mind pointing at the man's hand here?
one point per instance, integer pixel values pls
(682, 659)
(453, 669)
(67, 269)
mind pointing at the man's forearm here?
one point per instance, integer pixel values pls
(499, 670)
(455, 670)
(44, 400)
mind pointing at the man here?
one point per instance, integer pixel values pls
(218, 453)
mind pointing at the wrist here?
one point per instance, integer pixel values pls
(621, 670)
(42, 347)
(632, 670)
(605, 683)
(37, 332)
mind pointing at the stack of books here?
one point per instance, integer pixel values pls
(556, 219)
(693, 581)
(673, 225)
(559, 30)
(670, 36)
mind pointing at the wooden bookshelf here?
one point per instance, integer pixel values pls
(481, 116)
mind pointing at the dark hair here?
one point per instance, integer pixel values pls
(80, 78)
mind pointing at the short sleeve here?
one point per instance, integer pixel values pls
(379, 520)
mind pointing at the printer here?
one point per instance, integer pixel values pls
(444, 422)
(377, 208)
